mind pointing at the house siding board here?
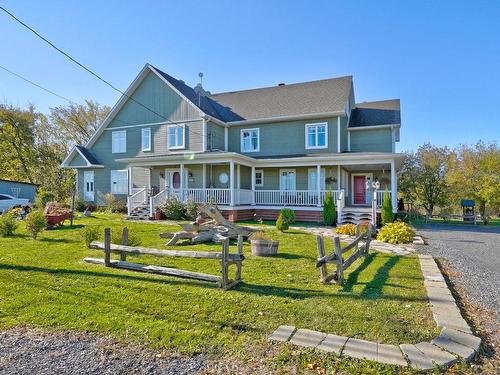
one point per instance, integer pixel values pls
(26, 191)
(217, 136)
(373, 140)
(272, 182)
(140, 177)
(284, 138)
(156, 95)
(245, 177)
(343, 134)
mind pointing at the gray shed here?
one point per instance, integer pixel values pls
(18, 189)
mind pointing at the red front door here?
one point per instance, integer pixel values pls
(359, 190)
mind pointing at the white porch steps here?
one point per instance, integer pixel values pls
(355, 215)
(139, 213)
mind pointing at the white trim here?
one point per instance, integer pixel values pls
(65, 162)
(316, 125)
(338, 134)
(111, 181)
(238, 176)
(226, 139)
(287, 118)
(148, 146)
(204, 135)
(288, 170)
(349, 141)
(177, 147)
(113, 148)
(261, 171)
(241, 140)
(394, 188)
(373, 127)
(338, 178)
(129, 180)
(231, 183)
(365, 174)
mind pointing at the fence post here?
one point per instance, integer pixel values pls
(123, 255)
(321, 253)
(356, 235)
(339, 260)
(240, 252)
(107, 247)
(224, 266)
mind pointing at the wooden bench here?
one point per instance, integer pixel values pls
(336, 257)
(225, 257)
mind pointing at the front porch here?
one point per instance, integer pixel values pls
(242, 190)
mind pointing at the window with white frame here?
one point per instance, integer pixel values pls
(259, 177)
(250, 140)
(119, 182)
(146, 139)
(119, 141)
(317, 135)
(176, 136)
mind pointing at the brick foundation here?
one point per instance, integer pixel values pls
(271, 214)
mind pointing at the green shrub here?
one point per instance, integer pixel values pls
(90, 233)
(401, 204)
(281, 224)
(80, 205)
(396, 233)
(386, 215)
(191, 209)
(8, 224)
(43, 197)
(116, 237)
(115, 205)
(35, 223)
(329, 211)
(288, 215)
(174, 209)
(285, 218)
(401, 216)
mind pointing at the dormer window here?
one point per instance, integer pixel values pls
(250, 140)
(317, 135)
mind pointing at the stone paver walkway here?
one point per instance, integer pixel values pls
(381, 247)
(456, 338)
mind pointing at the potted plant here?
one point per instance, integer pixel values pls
(261, 245)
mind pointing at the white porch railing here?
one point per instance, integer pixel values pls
(248, 197)
(136, 199)
(380, 197)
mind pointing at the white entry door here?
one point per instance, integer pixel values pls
(88, 186)
(287, 179)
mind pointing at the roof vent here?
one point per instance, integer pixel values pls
(281, 84)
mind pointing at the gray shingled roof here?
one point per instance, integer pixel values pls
(384, 112)
(88, 155)
(327, 95)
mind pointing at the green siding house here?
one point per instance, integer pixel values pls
(251, 152)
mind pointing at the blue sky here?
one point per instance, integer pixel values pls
(441, 58)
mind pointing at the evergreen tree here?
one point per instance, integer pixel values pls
(329, 211)
(387, 215)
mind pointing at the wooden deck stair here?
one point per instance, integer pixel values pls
(355, 215)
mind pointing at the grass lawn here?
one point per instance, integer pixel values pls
(46, 284)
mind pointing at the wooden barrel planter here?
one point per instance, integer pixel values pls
(264, 247)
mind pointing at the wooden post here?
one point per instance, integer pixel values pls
(73, 202)
(123, 254)
(107, 247)
(356, 235)
(224, 260)
(240, 252)
(339, 260)
(321, 253)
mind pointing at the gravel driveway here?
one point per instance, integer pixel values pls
(474, 251)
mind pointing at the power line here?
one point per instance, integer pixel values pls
(49, 91)
(37, 85)
(88, 69)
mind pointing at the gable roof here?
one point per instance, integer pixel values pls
(87, 156)
(323, 96)
(383, 112)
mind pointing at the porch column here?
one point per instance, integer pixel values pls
(318, 184)
(231, 183)
(204, 181)
(394, 188)
(182, 181)
(253, 186)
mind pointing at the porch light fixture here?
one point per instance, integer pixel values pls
(375, 185)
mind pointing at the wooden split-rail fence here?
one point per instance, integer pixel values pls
(224, 256)
(336, 257)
